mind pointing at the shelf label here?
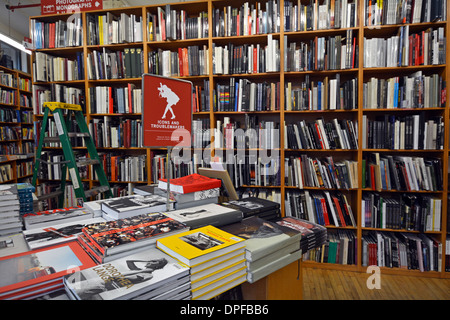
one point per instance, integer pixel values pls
(166, 111)
(69, 6)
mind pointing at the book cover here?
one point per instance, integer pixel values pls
(120, 235)
(190, 183)
(55, 215)
(199, 245)
(262, 237)
(125, 207)
(36, 267)
(59, 233)
(13, 244)
(252, 205)
(8, 192)
(209, 214)
(126, 277)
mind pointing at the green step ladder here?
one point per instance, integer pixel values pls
(69, 163)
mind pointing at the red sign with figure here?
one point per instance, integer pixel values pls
(69, 6)
(166, 111)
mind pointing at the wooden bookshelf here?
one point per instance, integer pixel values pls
(16, 123)
(355, 70)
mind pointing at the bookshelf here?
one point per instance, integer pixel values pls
(280, 61)
(16, 125)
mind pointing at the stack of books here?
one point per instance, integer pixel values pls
(9, 210)
(55, 216)
(192, 190)
(32, 274)
(268, 246)
(254, 206)
(313, 235)
(216, 259)
(110, 240)
(130, 206)
(147, 275)
(25, 197)
(208, 214)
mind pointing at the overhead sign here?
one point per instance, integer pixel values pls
(69, 6)
(166, 111)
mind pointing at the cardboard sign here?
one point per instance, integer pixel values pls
(69, 6)
(166, 111)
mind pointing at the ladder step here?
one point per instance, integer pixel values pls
(78, 134)
(52, 140)
(96, 190)
(50, 195)
(51, 162)
(87, 162)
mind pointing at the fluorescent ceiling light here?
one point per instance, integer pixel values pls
(13, 43)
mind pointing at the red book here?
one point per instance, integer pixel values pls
(33, 271)
(180, 61)
(191, 183)
(325, 211)
(338, 209)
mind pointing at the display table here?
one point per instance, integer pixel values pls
(283, 284)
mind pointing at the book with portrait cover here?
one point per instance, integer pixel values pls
(124, 207)
(127, 277)
(199, 245)
(208, 214)
(32, 271)
(120, 235)
(252, 206)
(57, 233)
(190, 183)
(263, 237)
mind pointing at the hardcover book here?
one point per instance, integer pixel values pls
(209, 214)
(125, 207)
(262, 237)
(30, 271)
(49, 217)
(8, 192)
(197, 246)
(252, 206)
(127, 277)
(129, 233)
(190, 183)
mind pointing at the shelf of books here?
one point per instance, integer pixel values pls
(16, 126)
(335, 109)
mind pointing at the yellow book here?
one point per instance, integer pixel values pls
(100, 29)
(200, 245)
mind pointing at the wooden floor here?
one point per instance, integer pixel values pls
(322, 284)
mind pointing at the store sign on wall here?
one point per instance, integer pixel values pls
(68, 6)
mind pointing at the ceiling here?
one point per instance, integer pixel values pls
(14, 23)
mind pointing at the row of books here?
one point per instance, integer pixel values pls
(326, 94)
(107, 64)
(405, 49)
(255, 135)
(387, 172)
(406, 212)
(123, 167)
(200, 96)
(413, 91)
(248, 19)
(247, 58)
(159, 169)
(49, 68)
(332, 14)
(53, 169)
(53, 133)
(402, 250)
(58, 34)
(339, 248)
(319, 134)
(201, 137)
(8, 79)
(6, 173)
(303, 171)
(116, 133)
(111, 29)
(122, 100)
(8, 96)
(245, 95)
(24, 84)
(322, 53)
(184, 62)
(326, 208)
(25, 100)
(56, 92)
(9, 133)
(10, 115)
(24, 168)
(412, 132)
(382, 12)
(171, 24)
